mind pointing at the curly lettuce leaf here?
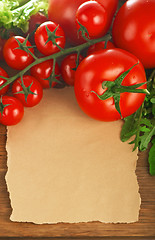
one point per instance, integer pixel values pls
(16, 14)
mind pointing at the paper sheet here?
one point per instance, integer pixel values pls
(66, 167)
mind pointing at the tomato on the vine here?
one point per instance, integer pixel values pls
(99, 46)
(63, 12)
(15, 57)
(2, 81)
(93, 16)
(28, 90)
(134, 30)
(49, 38)
(98, 69)
(11, 110)
(68, 68)
(45, 74)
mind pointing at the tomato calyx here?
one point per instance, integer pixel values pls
(5, 78)
(26, 90)
(53, 77)
(24, 47)
(52, 37)
(2, 106)
(77, 61)
(115, 88)
(84, 31)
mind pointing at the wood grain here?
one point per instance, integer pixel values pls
(144, 227)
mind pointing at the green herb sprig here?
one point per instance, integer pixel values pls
(141, 125)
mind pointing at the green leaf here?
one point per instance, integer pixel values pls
(146, 122)
(141, 125)
(16, 14)
(146, 138)
(153, 100)
(130, 126)
(144, 129)
(152, 158)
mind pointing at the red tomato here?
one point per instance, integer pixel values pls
(103, 66)
(93, 16)
(134, 30)
(68, 66)
(12, 111)
(42, 72)
(17, 58)
(110, 7)
(44, 33)
(63, 12)
(2, 81)
(99, 46)
(34, 22)
(29, 92)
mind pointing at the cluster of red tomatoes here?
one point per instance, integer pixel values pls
(73, 23)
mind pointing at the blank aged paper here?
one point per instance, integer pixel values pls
(66, 167)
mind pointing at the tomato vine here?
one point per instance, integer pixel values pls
(54, 56)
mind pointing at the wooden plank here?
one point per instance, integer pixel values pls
(144, 227)
(85, 238)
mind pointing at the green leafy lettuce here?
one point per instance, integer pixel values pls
(17, 13)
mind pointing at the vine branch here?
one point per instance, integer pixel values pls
(63, 52)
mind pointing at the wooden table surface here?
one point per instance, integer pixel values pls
(144, 228)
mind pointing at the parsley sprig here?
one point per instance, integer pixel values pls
(141, 125)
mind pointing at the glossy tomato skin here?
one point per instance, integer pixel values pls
(93, 16)
(41, 37)
(134, 30)
(110, 7)
(17, 58)
(64, 13)
(99, 46)
(2, 81)
(13, 111)
(43, 70)
(107, 66)
(67, 68)
(36, 88)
